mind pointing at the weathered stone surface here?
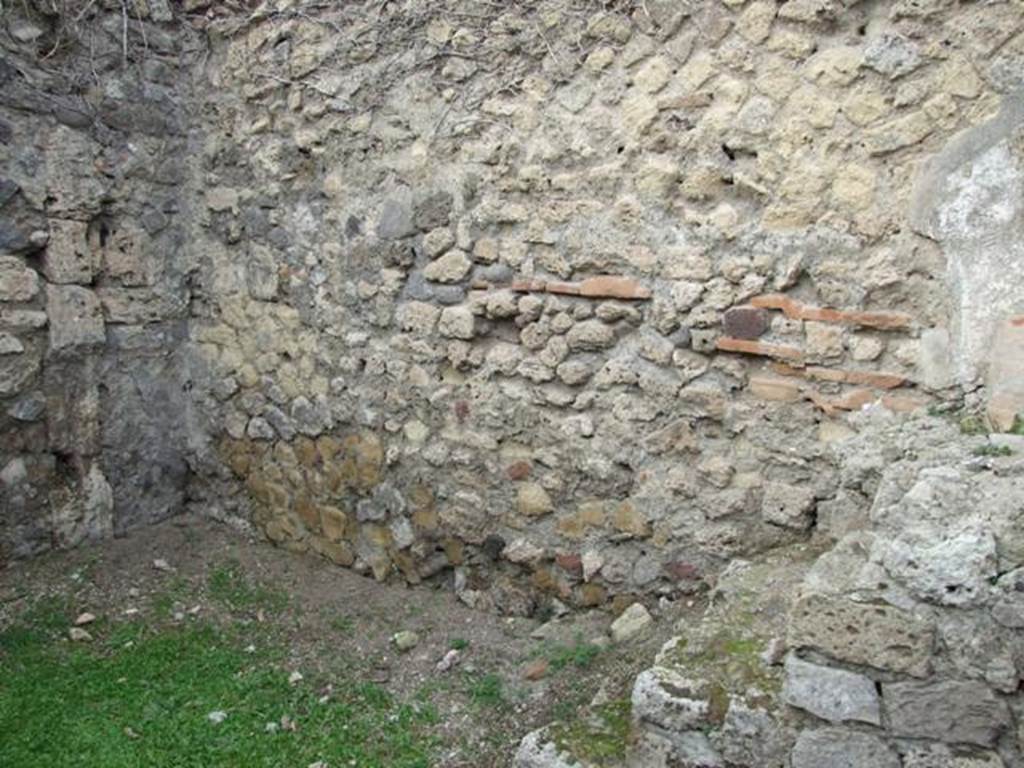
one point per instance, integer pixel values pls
(831, 694)
(668, 700)
(453, 267)
(68, 257)
(632, 622)
(840, 748)
(1006, 374)
(954, 711)
(76, 319)
(942, 756)
(533, 501)
(892, 55)
(590, 335)
(456, 323)
(955, 571)
(745, 322)
(396, 221)
(879, 636)
(787, 505)
(17, 281)
(537, 750)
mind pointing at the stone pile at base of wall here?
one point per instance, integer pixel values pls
(899, 645)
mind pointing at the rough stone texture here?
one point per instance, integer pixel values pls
(830, 694)
(883, 637)
(494, 279)
(1005, 377)
(839, 748)
(96, 378)
(659, 301)
(968, 197)
(955, 711)
(634, 621)
(76, 320)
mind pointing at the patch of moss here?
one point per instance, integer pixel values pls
(993, 450)
(730, 661)
(972, 424)
(599, 737)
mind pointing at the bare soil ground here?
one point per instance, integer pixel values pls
(338, 627)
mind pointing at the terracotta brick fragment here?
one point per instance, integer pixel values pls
(680, 571)
(745, 322)
(880, 320)
(865, 378)
(536, 669)
(613, 287)
(904, 403)
(519, 470)
(789, 307)
(570, 563)
(774, 388)
(605, 287)
(568, 289)
(729, 344)
(799, 311)
(527, 286)
(853, 400)
(862, 378)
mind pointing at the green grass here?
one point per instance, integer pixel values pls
(138, 696)
(486, 690)
(227, 585)
(458, 644)
(580, 655)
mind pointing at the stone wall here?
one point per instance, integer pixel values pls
(562, 299)
(900, 645)
(93, 272)
(567, 296)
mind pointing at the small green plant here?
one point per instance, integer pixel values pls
(177, 591)
(973, 424)
(1018, 425)
(993, 450)
(344, 625)
(486, 690)
(580, 655)
(458, 644)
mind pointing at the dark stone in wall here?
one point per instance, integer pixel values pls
(745, 322)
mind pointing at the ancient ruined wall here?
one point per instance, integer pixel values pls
(93, 271)
(562, 295)
(565, 294)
